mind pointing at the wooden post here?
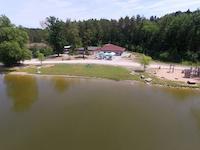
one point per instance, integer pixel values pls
(173, 69)
(170, 68)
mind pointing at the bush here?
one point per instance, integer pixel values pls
(190, 63)
(139, 49)
(45, 51)
(192, 56)
(145, 61)
(164, 56)
(41, 57)
(187, 63)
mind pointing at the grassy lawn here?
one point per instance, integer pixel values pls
(98, 71)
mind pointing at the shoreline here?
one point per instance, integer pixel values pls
(98, 78)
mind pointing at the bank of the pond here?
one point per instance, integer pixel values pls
(102, 72)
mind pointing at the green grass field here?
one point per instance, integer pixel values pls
(97, 71)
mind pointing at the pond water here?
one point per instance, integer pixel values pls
(52, 113)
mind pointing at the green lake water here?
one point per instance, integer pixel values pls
(52, 113)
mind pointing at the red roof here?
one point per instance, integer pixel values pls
(112, 48)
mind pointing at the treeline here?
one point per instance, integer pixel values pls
(173, 37)
(37, 35)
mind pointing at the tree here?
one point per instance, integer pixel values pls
(12, 43)
(86, 41)
(41, 57)
(145, 61)
(5, 21)
(57, 36)
(72, 34)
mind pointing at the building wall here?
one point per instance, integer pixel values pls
(119, 53)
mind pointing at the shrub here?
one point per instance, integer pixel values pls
(41, 57)
(145, 61)
(45, 51)
(164, 56)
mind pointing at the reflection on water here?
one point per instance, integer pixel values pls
(181, 94)
(62, 84)
(22, 90)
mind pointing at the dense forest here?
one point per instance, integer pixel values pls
(173, 37)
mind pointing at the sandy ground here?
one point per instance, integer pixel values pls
(117, 61)
(177, 75)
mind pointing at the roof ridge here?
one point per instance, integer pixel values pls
(112, 47)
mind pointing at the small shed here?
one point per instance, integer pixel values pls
(91, 50)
